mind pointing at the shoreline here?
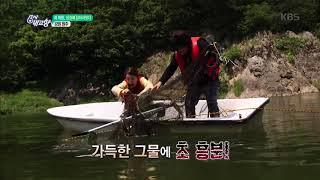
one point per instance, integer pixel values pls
(28, 101)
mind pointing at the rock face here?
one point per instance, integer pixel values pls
(265, 70)
(269, 73)
(256, 66)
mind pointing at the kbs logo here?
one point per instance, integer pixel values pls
(289, 17)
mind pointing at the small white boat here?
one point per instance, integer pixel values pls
(87, 116)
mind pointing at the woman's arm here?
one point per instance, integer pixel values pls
(146, 84)
(117, 89)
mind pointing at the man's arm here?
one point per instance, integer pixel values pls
(169, 70)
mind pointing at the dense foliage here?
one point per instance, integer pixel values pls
(124, 32)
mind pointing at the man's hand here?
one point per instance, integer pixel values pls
(157, 86)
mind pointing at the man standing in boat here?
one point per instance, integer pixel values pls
(199, 66)
(133, 83)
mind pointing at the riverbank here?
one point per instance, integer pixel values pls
(266, 65)
(26, 101)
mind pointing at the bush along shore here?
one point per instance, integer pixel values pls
(33, 100)
(26, 101)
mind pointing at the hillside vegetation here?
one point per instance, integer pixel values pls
(86, 59)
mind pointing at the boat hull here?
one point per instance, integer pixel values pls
(87, 116)
(75, 125)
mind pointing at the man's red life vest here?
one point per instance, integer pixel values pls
(213, 69)
(138, 88)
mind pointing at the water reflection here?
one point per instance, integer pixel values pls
(269, 138)
(293, 137)
(239, 135)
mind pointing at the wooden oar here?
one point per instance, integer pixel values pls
(152, 111)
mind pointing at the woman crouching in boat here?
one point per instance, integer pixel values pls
(133, 83)
(132, 86)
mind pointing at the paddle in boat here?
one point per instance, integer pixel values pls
(85, 117)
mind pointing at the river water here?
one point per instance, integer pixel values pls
(271, 145)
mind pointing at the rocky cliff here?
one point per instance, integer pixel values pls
(265, 65)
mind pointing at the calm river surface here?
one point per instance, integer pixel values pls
(271, 145)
